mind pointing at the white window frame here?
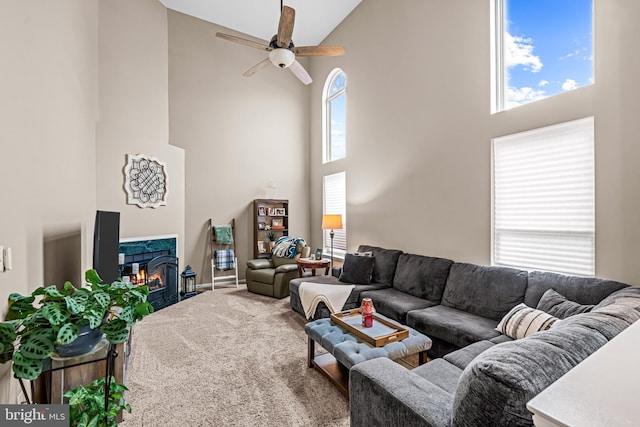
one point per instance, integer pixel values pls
(499, 83)
(326, 113)
(329, 206)
(543, 199)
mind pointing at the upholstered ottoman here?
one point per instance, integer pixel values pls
(344, 349)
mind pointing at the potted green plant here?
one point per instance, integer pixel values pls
(51, 318)
(87, 404)
(272, 239)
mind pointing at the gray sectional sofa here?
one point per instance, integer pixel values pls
(478, 377)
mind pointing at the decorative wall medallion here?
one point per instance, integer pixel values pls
(145, 181)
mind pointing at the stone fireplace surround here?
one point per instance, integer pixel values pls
(152, 261)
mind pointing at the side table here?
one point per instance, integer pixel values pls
(313, 264)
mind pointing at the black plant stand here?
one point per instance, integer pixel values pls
(109, 356)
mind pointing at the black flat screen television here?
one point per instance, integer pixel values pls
(106, 240)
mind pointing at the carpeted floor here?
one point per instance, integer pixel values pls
(227, 358)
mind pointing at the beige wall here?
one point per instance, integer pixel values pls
(134, 115)
(238, 133)
(48, 108)
(419, 129)
(85, 82)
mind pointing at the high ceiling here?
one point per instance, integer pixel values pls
(315, 19)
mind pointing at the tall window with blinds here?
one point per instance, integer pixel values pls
(544, 199)
(334, 202)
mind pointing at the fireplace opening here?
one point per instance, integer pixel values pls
(152, 262)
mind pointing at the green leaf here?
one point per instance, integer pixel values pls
(26, 368)
(30, 372)
(116, 331)
(20, 308)
(102, 298)
(94, 317)
(115, 325)
(67, 334)
(74, 306)
(92, 277)
(53, 292)
(7, 332)
(55, 314)
(127, 314)
(144, 309)
(40, 332)
(117, 337)
(81, 296)
(15, 296)
(36, 347)
(68, 286)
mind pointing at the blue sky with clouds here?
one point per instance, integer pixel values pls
(548, 48)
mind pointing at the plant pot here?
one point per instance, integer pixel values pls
(87, 340)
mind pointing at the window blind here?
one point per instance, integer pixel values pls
(335, 203)
(544, 199)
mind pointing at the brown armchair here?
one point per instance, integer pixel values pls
(271, 276)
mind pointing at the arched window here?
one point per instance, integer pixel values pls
(335, 114)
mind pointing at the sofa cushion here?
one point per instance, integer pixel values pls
(583, 290)
(559, 306)
(357, 269)
(441, 373)
(522, 321)
(495, 388)
(486, 291)
(395, 304)
(461, 358)
(322, 311)
(619, 295)
(384, 266)
(500, 339)
(455, 326)
(422, 276)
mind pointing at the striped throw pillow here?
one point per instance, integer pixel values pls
(523, 320)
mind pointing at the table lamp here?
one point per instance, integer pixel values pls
(332, 222)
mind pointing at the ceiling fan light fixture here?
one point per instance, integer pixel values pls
(282, 58)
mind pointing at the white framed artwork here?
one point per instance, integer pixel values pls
(145, 181)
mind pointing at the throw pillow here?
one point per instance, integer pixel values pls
(357, 269)
(522, 321)
(559, 306)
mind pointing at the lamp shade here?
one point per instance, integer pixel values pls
(332, 222)
(282, 57)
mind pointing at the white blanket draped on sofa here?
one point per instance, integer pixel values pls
(334, 296)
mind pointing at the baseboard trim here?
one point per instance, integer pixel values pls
(221, 283)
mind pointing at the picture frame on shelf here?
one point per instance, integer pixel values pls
(261, 225)
(279, 211)
(277, 224)
(271, 211)
(262, 211)
(261, 247)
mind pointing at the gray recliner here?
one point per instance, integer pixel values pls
(271, 276)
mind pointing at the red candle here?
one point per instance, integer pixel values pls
(367, 310)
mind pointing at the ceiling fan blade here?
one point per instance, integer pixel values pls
(299, 71)
(259, 66)
(285, 27)
(245, 42)
(319, 51)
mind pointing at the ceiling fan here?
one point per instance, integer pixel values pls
(282, 51)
